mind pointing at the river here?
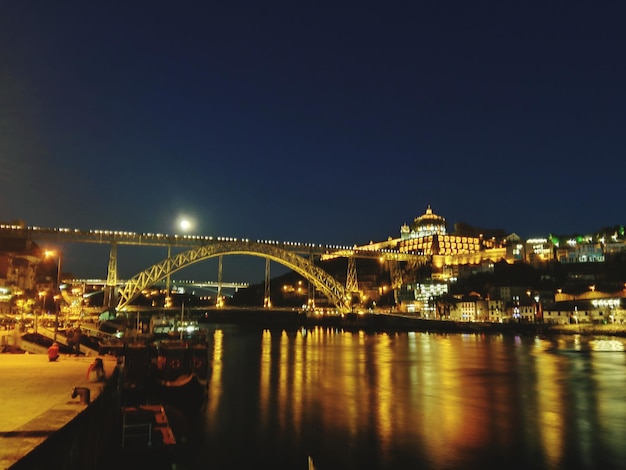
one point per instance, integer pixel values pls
(354, 400)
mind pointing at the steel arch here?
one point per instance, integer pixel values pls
(325, 283)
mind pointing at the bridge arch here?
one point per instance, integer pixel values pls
(323, 281)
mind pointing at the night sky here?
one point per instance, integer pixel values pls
(325, 122)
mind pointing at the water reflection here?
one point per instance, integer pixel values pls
(396, 400)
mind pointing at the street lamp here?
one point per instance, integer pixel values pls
(42, 295)
(49, 253)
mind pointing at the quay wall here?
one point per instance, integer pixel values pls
(81, 442)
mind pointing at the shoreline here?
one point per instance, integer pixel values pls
(384, 322)
(390, 322)
(398, 323)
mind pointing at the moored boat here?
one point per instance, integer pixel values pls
(146, 426)
(170, 365)
(182, 373)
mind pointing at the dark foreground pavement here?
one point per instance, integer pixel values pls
(36, 399)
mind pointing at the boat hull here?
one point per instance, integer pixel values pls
(172, 372)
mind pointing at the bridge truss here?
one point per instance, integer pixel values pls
(325, 283)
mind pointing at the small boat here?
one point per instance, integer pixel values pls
(162, 325)
(171, 366)
(182, 366)
(145, 427)
(182, 374)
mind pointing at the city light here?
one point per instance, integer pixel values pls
(47, 254)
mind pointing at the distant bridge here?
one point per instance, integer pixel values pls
(296, 256)
(200, 284)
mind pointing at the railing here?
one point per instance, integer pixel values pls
(138, 424)
(62, 339)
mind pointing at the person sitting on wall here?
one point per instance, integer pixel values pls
(95, 372)
(53, 352)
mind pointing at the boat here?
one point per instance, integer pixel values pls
(182, 366)
(146, 426)
(162, 325)
(169, 367)
(182, 374)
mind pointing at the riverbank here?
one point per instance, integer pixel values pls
(394, 322)
(390, 322)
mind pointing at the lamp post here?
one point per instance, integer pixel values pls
(57, 290)
(42, 295)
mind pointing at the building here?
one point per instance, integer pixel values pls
(469, 308)
(428, 235)
(539, 250)
(496, 311)
(592, 307)
(18, 264)
(421, 298)
(424, 225)
(24, 273)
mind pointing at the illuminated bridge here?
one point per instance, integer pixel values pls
(298, 257)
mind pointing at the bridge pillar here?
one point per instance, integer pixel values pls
(267, 301)
(395, 275)
(110, 290)
(352, 285)
(218, 301)
(311, 299)
(168, 281)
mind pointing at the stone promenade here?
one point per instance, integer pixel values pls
(36, 399)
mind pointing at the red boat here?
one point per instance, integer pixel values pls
(182, 374)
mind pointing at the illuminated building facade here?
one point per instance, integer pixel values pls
(539, 250)
(428, 234)
(582, 253)
(424, 225)
(599, 310)
(469, 308)
(18, 264)
(497, 310)
(421, 297)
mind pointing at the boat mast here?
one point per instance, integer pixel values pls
(182, 317)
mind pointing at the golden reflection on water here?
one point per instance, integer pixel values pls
(264, 377)
(608, 370)
(548, 393)
(284, 381)
(215, 390)
(446, 398)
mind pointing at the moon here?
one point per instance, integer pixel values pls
(185, 224)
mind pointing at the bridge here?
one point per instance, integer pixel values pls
(299, 257)
(179, 282)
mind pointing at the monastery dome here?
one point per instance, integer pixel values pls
(428, 224)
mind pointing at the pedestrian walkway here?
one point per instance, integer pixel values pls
(36, 399)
